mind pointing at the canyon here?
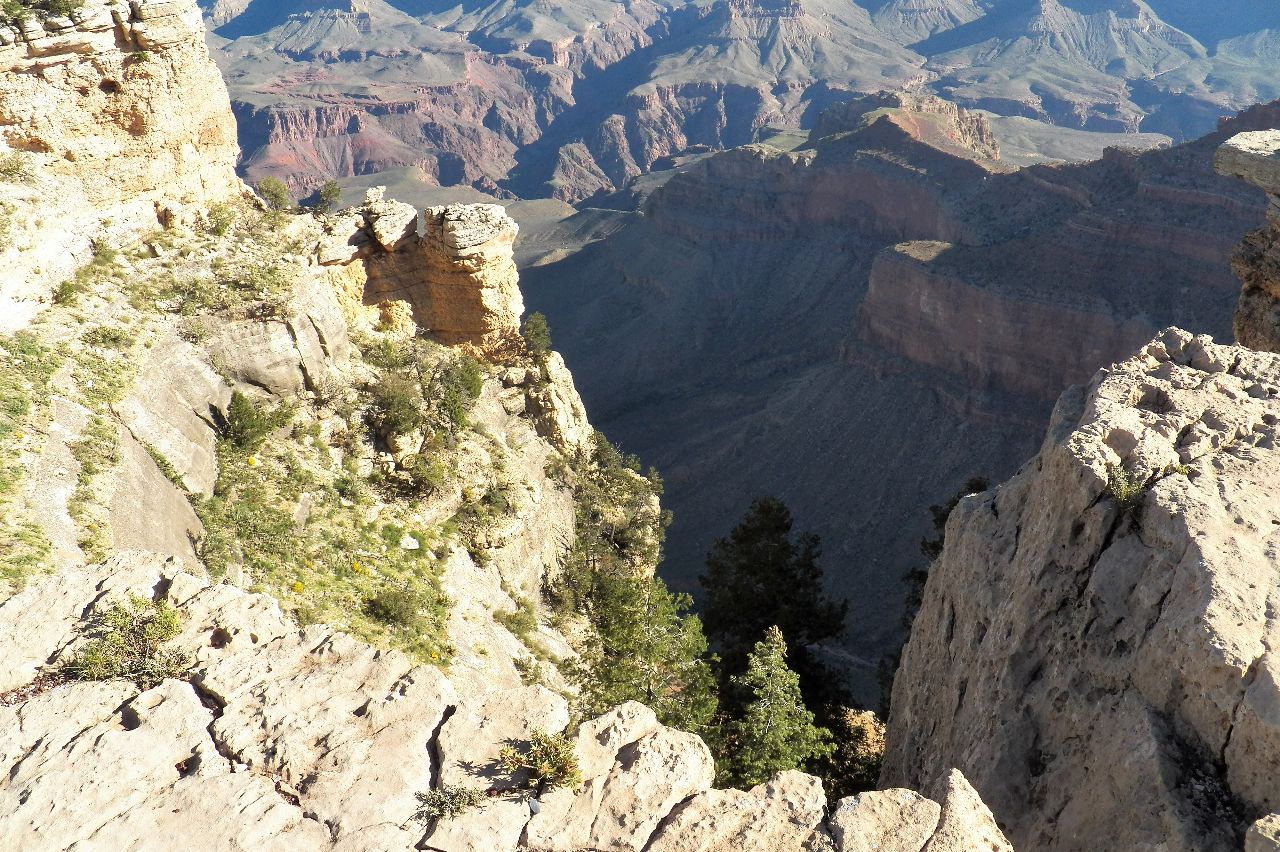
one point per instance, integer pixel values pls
(565, 100)
(863, 323)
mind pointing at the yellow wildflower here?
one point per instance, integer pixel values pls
(252, 461)
(297, 586)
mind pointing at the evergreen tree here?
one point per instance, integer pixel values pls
(650, 650)
(274, 192)
(776, 731)
(647, 646)
(761, 576)
(329, 196)
(537, 336)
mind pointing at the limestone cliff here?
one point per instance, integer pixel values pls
(109, 119)
(1096, 645)
(1255, 157)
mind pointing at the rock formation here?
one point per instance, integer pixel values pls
(459, 278)
(112, 119)
(1255, 157)
(563, 99)
(304, 739)
(1095, 649)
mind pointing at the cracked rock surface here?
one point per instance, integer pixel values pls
(1107, 677)
(288, 738)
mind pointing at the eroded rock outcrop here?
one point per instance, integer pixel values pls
(1255, 157)
(458, 278)
(1096, 649)
(112, 118)
(288, 738)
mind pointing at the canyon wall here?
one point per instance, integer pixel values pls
(1255, 157)
(113, 118)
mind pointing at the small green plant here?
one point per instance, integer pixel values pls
(129, 643)
(14, 167)
(68, 292)
(397, 606)
(537, 336)
(397, 405)
(451, 800)
(107, 337)
(1125, 487)
(545, 762)
(246, 427)
(456, 389)
(220, 219)
(274, 192)
(522, 621)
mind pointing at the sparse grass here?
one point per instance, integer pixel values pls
(26, 367)
(336, 566)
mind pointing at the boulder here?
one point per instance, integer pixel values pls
(965, 824)
(1264, 835)
(779, 815)
(894, 820)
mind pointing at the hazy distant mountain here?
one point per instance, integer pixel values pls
(565, 99)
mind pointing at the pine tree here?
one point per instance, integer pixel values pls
(274, 192)
(776, 731)
(760, 576)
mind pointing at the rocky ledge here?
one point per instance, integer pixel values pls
(288, 738)
(1097, 644)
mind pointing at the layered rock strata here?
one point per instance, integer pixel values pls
(458, 278)
(1096, 648)
(1255, 157)
(287, 738)
(113, 118)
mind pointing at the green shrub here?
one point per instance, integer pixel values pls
(537, 336)
(397, 404)
(275, 193)
(397, 606)
(220, 219)
(1127, 488)
(106, 337)
(522, 621)
(68, 292)
(328, 196)
(450, 801)
(129, 643)
(545, 762)
(14, 167)
(246, 427)
(456, 388)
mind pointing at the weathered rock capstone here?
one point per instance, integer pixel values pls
(459, 277)
(112, 120)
